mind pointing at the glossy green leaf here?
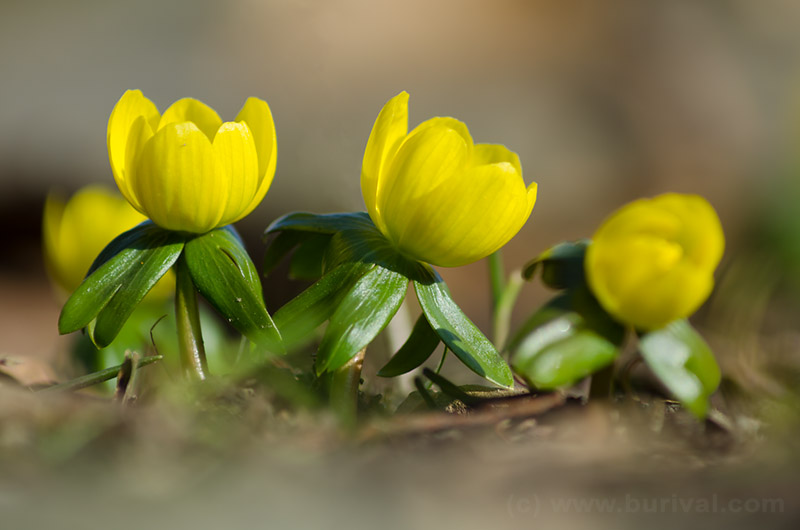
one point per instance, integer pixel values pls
(363, 313)
(562, 265)
(417, 349)
(463, 338)
(304, 313)
(223, 273)
(684, 363)
(120, 277)
(322, 223)
(562, 352)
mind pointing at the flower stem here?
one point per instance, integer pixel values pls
(187, 317)
(344, 390)
(497, 277)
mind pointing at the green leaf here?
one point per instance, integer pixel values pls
(459, 333)
(223, 273)
(562, 265)
(683, 362)
(322, 223)
(309, 258)
(279, 247)
(121, 276)
(561, 353)
(419, 346)
(304, 313)
(363, 313)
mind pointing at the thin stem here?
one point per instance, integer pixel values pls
(187, 317)
(344, 389)
(601, 387)
(438, 368)
(497, 277)
(501, 317)
(96, 377)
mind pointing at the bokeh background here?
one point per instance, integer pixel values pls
(603, 101)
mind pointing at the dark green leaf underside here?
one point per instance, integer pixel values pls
(463, 338)
(417, 349)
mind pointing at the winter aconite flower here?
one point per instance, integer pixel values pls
(436, 195)
(77, 230)
(187, 170)
(653, 260)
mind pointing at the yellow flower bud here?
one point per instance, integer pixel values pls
(653, 260)
(186, 169)
(435, 195)
(75, 232)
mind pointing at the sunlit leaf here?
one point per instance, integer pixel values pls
(684, 363)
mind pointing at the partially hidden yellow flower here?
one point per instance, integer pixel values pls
(75, 232)
(186, 169)
(437, 196)
(653, 260)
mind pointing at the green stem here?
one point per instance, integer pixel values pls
(601, 387)
(187, 318)
(438, 368)
(497, 277)
(344, 390)
(501, 317)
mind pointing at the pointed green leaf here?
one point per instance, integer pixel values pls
(322, 223)
(683, 362)
(120, 277)
(562, 265)
(459, 333)
(304, 313)
(363, 313)
(223, 273)
(419, 346)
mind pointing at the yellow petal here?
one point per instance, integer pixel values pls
(128, 109)
(467, 222)
(652, 261)
(425, 161)
(494, 153)
(645, 283)
(705, 241)
(235, 150)
(179, 180)
(188, 109)
(140, 133)
(389, 130)
(258, 117)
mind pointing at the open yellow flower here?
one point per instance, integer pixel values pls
(437, 196)
(75, 232)
(186, 169)
(653, 260)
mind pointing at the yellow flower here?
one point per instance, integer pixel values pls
(435, 195)
(653, 260)
(186, 169)
(75, 232)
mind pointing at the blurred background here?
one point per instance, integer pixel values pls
(603, 101)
